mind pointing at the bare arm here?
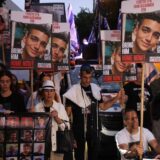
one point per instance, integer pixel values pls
(132, 152)
(108, 104)
(155, 146)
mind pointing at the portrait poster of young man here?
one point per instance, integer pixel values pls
(30, 39)
(114, 70)
(140, 31)
(60, 45)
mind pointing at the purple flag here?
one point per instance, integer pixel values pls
(74, 46)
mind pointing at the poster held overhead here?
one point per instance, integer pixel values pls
(140, 31)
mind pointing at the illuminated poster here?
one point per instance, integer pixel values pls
(30, 40)
(141, 31)
(60, 45)
(113, 68)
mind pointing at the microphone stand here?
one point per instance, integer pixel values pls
(95, 129)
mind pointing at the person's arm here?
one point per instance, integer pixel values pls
(54, 114)
(154, 144)
(132, 152)
(108, 104)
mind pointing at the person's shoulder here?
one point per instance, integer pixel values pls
(145, 130)
(121, 132)
(39, 107)
(57, 104)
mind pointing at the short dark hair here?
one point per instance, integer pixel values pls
(86, 68)
(8, 74)
(61, 35)
(130, 109)
(153, 16)
(41, 27)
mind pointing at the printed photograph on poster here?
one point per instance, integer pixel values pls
(12, 121)
(39, 148)
(30, 40)
(12, 136)
(141, 31)
(113, 68)
(1, 136)
(27, 122)
(11, 149)
(56, 9)
(39, 135)
(26, 135)
(41, 122)
(60, 44)
(25, 149)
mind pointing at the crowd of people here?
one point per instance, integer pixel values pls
(79, 106)
(79, 109)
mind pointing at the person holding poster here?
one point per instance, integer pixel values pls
(59, 45)
(128, 139)
(146, 33)
(35, 41)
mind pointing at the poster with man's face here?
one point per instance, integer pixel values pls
(31, 40)
(113, 68)
(60, 45)
(141, 31)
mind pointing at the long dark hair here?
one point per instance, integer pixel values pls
(8, 74)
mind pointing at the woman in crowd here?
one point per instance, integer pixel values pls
(58, 114)
(36, 96)
(11, 100)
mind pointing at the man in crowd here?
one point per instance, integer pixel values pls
(81, 101)
(128, 139)
(133, 91)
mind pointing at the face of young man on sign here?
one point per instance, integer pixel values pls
(146, 36)
(58, 48)
(35, 44)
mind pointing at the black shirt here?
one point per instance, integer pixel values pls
(14, 102)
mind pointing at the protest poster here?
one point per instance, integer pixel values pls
(56, 9)
(140, 31)
(21, 138)
(60, 45)
(113, 68)
(30, 40)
